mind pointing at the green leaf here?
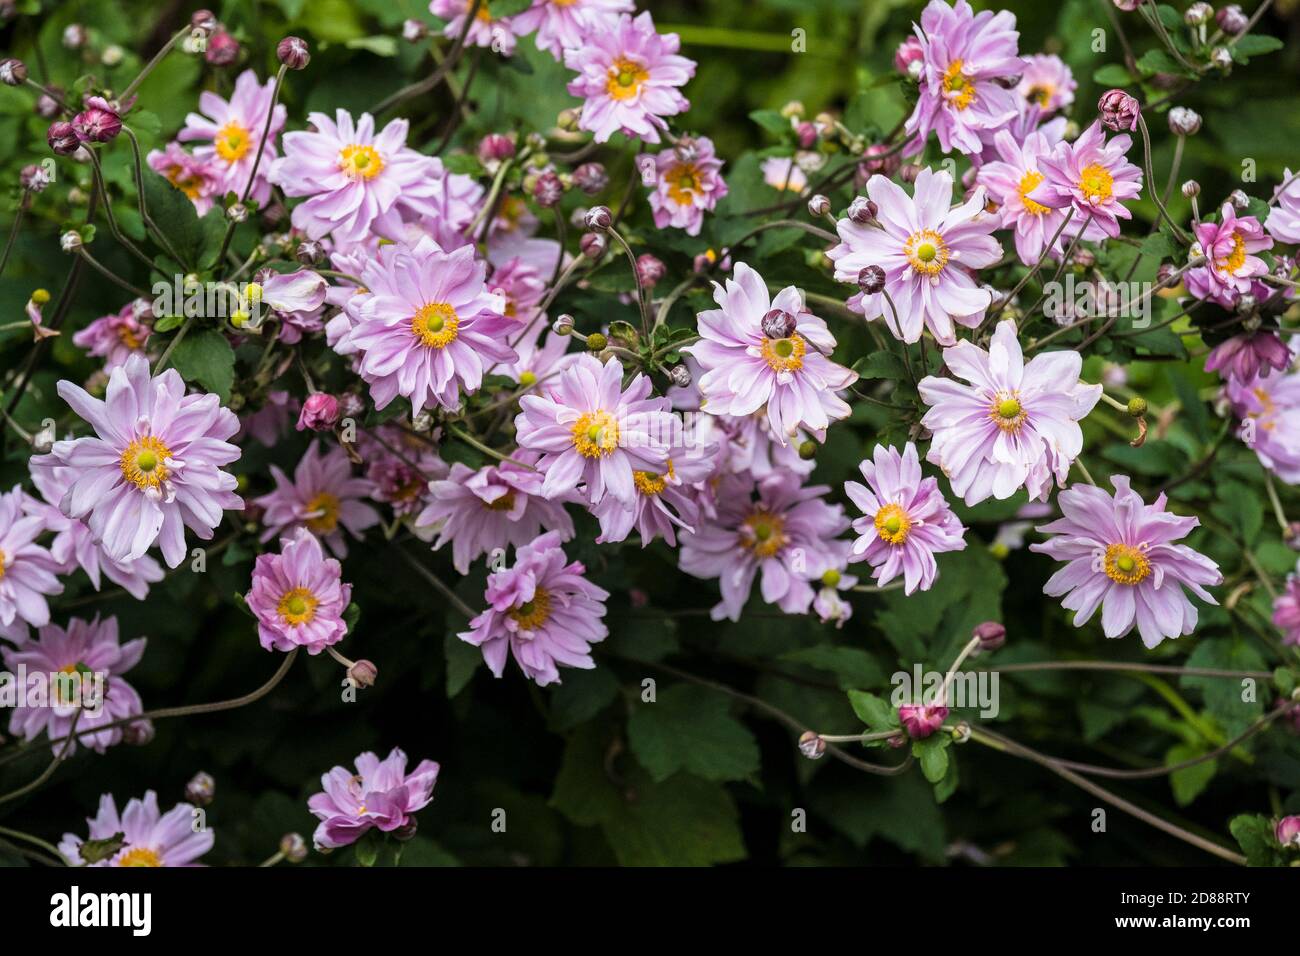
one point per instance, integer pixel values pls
(1254, 44)
(378, 45)
(463, 660)
(1157, 60)
(684, 821)
(205, 357)
(932, 753)
(1159, 246)
(582, 695)
(852, 666)
(1188, 783)
(691, 728)
(1112, 74)
(1223, 696)
(368, 847)
(1255, 835)
(772, 121)
(877, 714)
(881, 365)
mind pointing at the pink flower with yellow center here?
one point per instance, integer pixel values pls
(1091, 177)
(1120, 556)
(1047, 83)
(118, 336)
(380, 795)
(568, 24)
(298, 596)
(759, 351)
(230, 133)
(927, 248)
(906, 519)
(322, 497)
(688, 184)
(628, 77)
(200, 180)
(149, 837)
(1009, 181)
(964, 55)
(486, 30)
(1009, 423)
(1229, 248)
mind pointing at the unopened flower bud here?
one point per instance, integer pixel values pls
(320, 413)
(598, 218)
(495, 146)
(808, 450)
(1118, 110)
(871, 279)
(237, 213)
(908, 52)
(13, 72)
(1239, 199)
(921, 720)
(591, 178)
(792, 109)
(1137, 406)
(222, 49)
(819, 206)
(779, 324)
(596, 342)
(70, 241)
(592, 245)
(563, 324)
(138, 734)
(294, 847)
(649, 270)
(47, 107)
(1288, 832)
(1246, 303)
(34, 177)
(363, 673)
(568, 120)
(1221, 57)
(74, 36)
(811, 745)
(680, 376)
(1191, 189)
(413, 31)
(806, 134)
(990, 634)
(1231, 20)
(862, 210)
(547, 189)
(1292, 536)
(1184, 121)
(961, 732)
(909, 173)
(293, 52)
(1197, 14)
(98, 122)
(879, 158)
(309, 252)
(201, 789)
(205, 21)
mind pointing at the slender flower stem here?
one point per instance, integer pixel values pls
(171, 346)
(473, 442)
(109, 274)
(966, 651)
(1124, 666)
(163, 713)
(134, 85)
(1276, 502)
(13, 230)
(423, 86)
(1083, 469)
(1151, 180)
(1007, 745)
(159, 236)
(455, 599)
(257, 161)
(59, 757)
(642, 294)
(1006, 300)
(35, 841)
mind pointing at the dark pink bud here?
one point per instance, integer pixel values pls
(548, 190)
(363, 673)
(205, 21)
(807, 135)
(908, 52)
(874, 163)
(1288, 831)
(1118, 110)
(591, 178)
(319, 413)
(495, 146)
(62, 138)
(921, 720)
(593, 246)
(1231, 20)
(98, 122)
(990, 634)
(779, 324)
(871, 279)
(650, 270)
(293, 52)
(222, 49)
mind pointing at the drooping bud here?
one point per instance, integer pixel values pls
(309, 252)
(138, 734)
(598, 218)
(862, 210)
(320, 413)
(1118, 110)
(871, 279)
(293, 52)
(779, 324)
(1137, 406)
(13, 72)
(806, 134)
(205, 21)
(74, 36)
(909, 173)
(201, 789)
(363, 673)
(811, 745)
(990, 634)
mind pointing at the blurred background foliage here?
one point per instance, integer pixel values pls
(586, 772)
